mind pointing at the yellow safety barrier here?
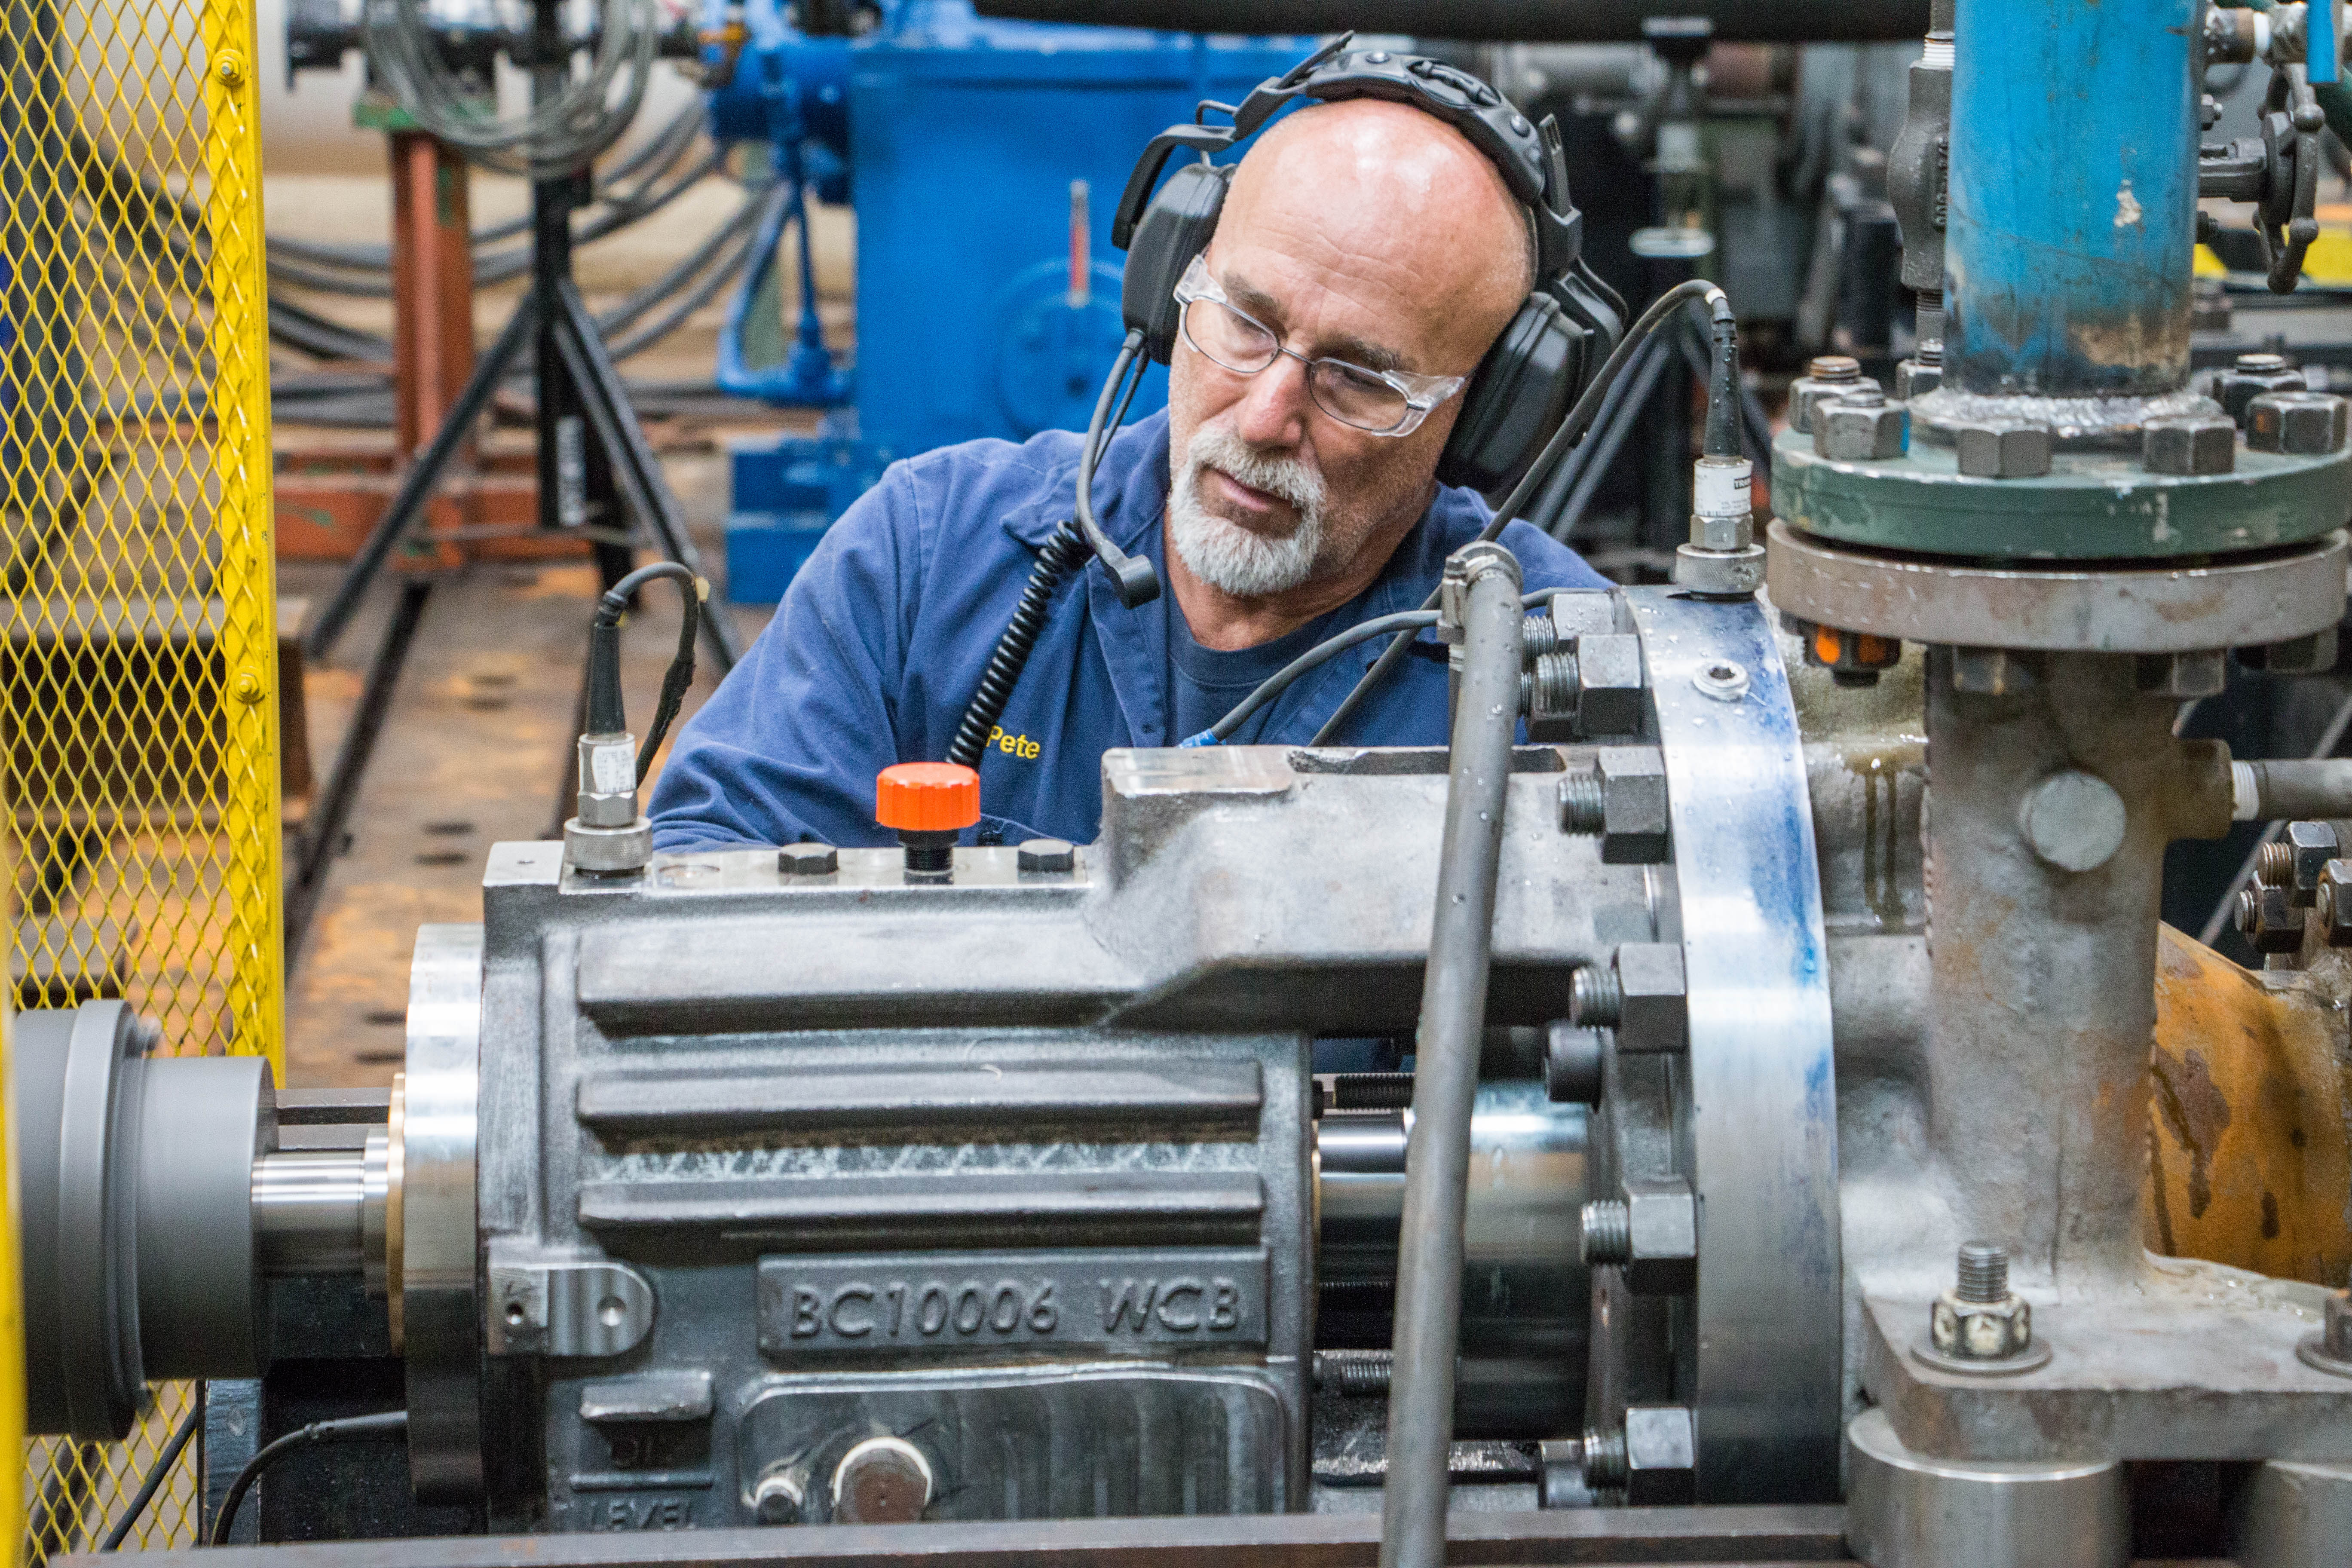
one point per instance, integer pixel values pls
(139, 674)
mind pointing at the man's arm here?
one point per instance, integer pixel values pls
(788, 746)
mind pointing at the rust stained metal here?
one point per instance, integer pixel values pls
(2251, 1156)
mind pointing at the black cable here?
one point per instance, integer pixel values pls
(156, 1473)
(607, 712)
(1274, 684)
(1571, 429)
(345, 1427)
(729, 269)
(754, 205)
(1064, 553)
(1137, 582)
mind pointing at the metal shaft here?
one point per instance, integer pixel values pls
(308, 1211)
(1445, 1080)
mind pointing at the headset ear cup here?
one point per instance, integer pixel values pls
(1516, 398)
(1174, 229)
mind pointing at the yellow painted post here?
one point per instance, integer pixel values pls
(247, 578)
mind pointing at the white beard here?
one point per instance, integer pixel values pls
(1224, 554)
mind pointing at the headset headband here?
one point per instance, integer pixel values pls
(1530, 157)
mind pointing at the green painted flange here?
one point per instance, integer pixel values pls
(2091, 506)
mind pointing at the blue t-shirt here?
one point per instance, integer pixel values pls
(880, 641)
(1204, 684)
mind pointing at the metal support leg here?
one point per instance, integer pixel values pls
(423, 475)
(606, 404)
(2293, 1516)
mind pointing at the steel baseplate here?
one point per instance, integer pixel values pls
(2090, 506)
(2200, 1364)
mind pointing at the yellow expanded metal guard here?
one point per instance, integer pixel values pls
(138, 675)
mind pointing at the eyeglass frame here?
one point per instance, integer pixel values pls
(1422, 392)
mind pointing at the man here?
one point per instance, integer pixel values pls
(1360, 231)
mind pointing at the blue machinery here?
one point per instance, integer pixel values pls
(983, 158)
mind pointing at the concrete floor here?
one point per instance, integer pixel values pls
(478, 737)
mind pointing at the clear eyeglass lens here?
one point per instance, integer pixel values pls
(1351, 396)
(1233, 340)
(1357, 397)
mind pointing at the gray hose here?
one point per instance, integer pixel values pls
(1445, 1068)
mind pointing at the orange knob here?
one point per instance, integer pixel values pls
(927, 797)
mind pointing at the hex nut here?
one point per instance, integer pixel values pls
(1861, 427)
(1980, 1330)
(1653, 1008)
(1662, 1238)
(1993, 671)
(1609, 672)
(2204, 673)
(2002, 449)
(808, 859)
(1827, 377)
(2299, 424)
(2252, 376)
(1661, 1456)
(2189, 444)
(2332, 901)
(1628, 787)
(1047, 854)
(2313, 653)
(1913, 379)
(2310, 846)
(2267, 918)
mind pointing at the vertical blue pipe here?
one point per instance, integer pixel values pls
(2073, 196)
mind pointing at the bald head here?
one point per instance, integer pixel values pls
(1366, 159)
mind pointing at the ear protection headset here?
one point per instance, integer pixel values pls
(1565, 327)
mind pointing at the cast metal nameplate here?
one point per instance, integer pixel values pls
(961, 1302)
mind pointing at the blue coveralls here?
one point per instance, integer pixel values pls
(881, 639)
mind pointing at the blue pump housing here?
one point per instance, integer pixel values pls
(967, 146)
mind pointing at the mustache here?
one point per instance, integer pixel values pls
(1291, 480)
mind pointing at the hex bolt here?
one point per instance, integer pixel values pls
(1828, 376)
(1606, 1466)
(1540, 635)
(2252, 376)
(1607, 1227)
(1984, 1272)
(1583, 806)
(808, 859)
(2332, 903)
(2189, 444)
(2298, 423)
(2275, 866)
(1861, 427)
(1355, 1374)
(881, 1480)
(2248, 916)
(2002, 449)
(1047, 854)
(1595, 999)
(1549, 688)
